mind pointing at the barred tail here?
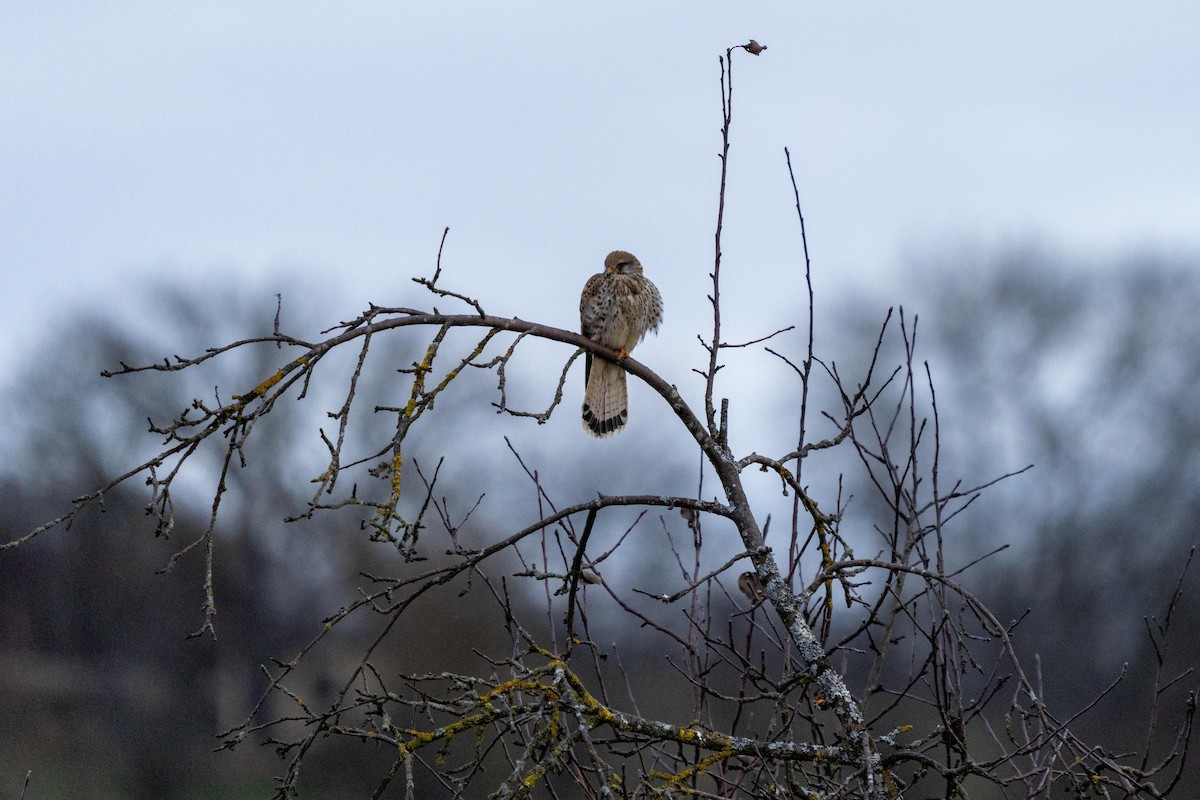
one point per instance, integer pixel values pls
(605, 403)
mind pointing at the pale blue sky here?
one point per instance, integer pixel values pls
(220, 141)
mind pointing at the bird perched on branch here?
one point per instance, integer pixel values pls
(753, 48)
(618, 307)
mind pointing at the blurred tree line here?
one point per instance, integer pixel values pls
(1091, 373)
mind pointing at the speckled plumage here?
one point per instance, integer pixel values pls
(618, 308)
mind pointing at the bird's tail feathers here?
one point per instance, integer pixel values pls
(605, 402)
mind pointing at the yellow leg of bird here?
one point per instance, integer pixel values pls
(622, 354)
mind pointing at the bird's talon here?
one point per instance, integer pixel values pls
(622, 354)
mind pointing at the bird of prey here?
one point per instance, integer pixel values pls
(618, 307)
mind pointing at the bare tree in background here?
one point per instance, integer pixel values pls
(1087, 368)
(830, 674)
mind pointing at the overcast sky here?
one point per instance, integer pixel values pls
(256, 141)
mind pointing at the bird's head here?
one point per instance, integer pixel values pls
(622, 263)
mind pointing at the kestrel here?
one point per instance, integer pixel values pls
(618, 307)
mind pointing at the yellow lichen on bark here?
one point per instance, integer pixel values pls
(699, 767)
(261, 389)
(516, 685)
(397, 467)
